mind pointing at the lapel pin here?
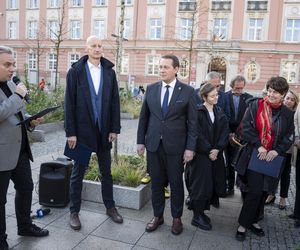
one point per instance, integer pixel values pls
(179, 88)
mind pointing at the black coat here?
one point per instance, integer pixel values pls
(206, 176)
(79, 116)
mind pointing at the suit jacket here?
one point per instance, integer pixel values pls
(10, 133)
(178, 129)
(79, 115)
(234, 122)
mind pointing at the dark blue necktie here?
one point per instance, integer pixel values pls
(164, 107)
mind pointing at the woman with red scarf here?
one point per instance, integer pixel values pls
(267, 126)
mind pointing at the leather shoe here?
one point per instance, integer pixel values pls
(216, 203)
(33, 230)
(177, 226)
(154, 224)
(74, 221)
(114, 215)
(257, 231)
(297, 223)
(240, 236)
(201, 222)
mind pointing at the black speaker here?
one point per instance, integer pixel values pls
(54, 183)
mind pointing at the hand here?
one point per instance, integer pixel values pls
(188, 156)
(262, 153)
(36, 122)
(297, 143)
(271, 155)
(21, 89)
(72, 140)
(140, 149)
(213, 154)
(112, 137)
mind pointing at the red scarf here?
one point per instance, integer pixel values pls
(264, 124)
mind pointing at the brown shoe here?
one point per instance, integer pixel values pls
(114, 215)
(74, 221)
(154, 223)
(177, 227)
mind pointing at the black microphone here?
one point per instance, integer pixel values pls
(17, 80)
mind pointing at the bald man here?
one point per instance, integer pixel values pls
(92, 118)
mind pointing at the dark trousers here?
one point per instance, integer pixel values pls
(297, 200)
(165, 167)
(23, 184)
(254, 199)
(104, 162)
(230, 173)
(285, 177)
(199, 206)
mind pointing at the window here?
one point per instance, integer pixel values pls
(75, 3)
(32, 61)
(156, 1)
(33, 4)
(186, 28)
(52, 61)
(74, 58)
(255, 29)
(252, 72)
(99, 29)
(99, 2)
(12, 30)
(75, 29)
(32, 30)
(53, 29)
(292, 31)
(220, 28)
(153, 65)
(124, 64)
(53, 3)
(128, 2)
(155, 28)
(289, 71)
(126, 28)
(184, 68)
(12, 4)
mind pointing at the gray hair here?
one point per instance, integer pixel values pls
(212, 75)
(5, 50)
(238, 78)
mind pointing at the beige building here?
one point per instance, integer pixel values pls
(257, 39)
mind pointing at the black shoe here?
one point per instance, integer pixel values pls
(257, 231)
(3, 244)
(240, 236)
(292, 216)
(33, 230)
(230, 192)
(201, 222)
(297, 223)
(206, 217)
(216, 203)
(270, 201)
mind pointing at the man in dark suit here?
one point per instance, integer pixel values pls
(235, 100)
(15, 151)
(167, 129)
(92, 118)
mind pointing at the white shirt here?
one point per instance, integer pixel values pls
(163, 91)
(95, 74)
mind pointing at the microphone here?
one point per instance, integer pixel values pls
(17, 80)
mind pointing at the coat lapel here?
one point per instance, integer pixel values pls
(157, 101)
(176, 92)
(86, 90)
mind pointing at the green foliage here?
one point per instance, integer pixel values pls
(41, 99)
(130, 104)
(127, 172)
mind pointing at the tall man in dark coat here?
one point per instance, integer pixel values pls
(92, 118)
(236, 100)
(167, 129)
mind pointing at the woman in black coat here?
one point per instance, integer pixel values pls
(207, 174)
(267, 126)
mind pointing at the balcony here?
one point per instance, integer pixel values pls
(187, 6)
(257, 5)
(221, 6)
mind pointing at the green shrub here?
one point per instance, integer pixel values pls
(127, 172)
(130, 104)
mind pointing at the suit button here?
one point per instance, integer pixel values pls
(162, 121)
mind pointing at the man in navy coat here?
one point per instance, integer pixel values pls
(92, 118)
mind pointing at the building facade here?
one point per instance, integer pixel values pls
(257, 39)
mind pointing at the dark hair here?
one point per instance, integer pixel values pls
(279, 84)
(206, 89)
(238, 78)
(175, 60)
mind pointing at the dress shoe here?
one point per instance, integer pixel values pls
(216, 203)
(3, 244)
(154, 224)
(297, 223)
(270, 201)
(201, 222)
(292, 216)
(257, 231)
(177, 226)
(167, 193)
(114, 215)
(240, 236)
(74, 221)
(206, 218)
(33, 230)
(146, 179)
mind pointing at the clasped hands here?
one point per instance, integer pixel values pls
(264, 154)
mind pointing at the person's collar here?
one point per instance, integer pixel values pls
(171, 84)
(92, 65)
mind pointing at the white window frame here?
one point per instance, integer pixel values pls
(53, 29)
(99, 31)
(256, 29)
(33, 4)
(293, 29)
(152, 65)
(75, 29)
(12, 4)
(156, 1)
(100, 2)
(32, 29)
(12, 30)
(221, 28)
(155, 30)
(127, 27)
(32, 61)
(52, 61)
(125, 64)
(73, 57)
(186, 28)
(76, 3)
(54, 3)
(128, 2)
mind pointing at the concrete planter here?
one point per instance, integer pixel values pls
(127, 197)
